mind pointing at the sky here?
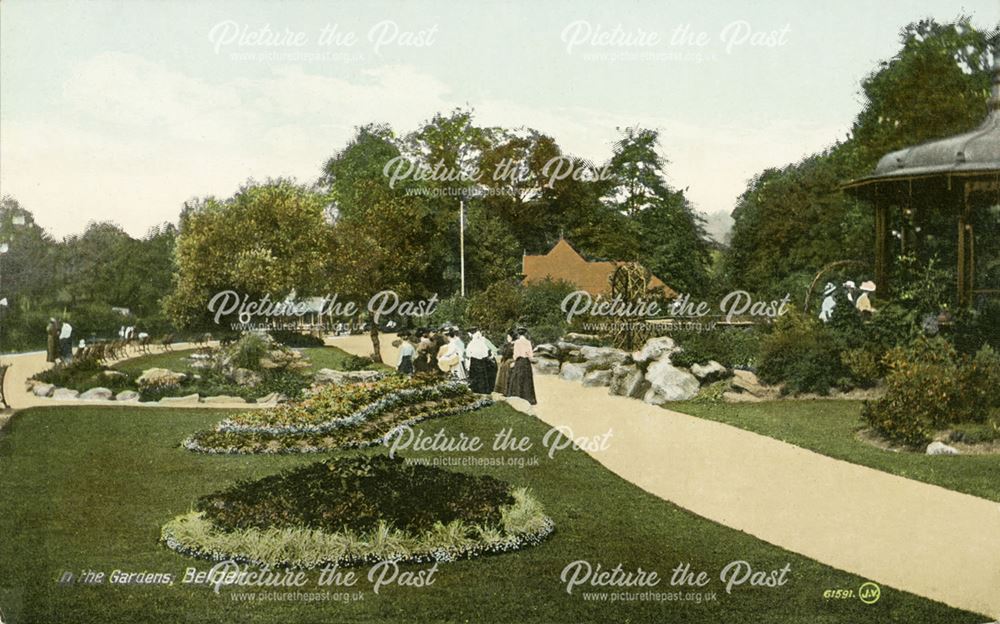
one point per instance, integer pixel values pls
(122, 111)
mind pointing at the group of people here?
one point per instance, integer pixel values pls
(60, 341)
(445, 352)
(860, 298)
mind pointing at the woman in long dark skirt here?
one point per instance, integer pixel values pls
(482, 363)
(503, 370)
(522, 381)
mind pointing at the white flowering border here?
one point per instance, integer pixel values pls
(230, 425)
(192, 444)
(192, 535)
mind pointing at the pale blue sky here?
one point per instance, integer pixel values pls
(122, 110)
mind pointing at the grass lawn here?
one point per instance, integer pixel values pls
(89, 488)
(319, 357)
(828, 427)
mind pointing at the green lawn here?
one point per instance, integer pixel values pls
(829, 427)
(89, 488)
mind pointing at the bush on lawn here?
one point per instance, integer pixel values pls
(82, 374)
(357, 362)
(802, 353)
(930, 387)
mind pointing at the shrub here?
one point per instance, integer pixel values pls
(296, 339)
(356, 363)
(801, 353)
(730, 347)
(863, 366)
(248, 351)
(930, 387)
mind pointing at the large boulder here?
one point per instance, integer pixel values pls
(223, 398)
(272, 399)
(159, 378)
(669, 383)
(546, 366)
(97, 394)
(655, 349)
(42, 389)
(127, 395)
(65, 394)
(598, 378)
(747, 383)
(603, 357)
(547, 350)
(572, 371)
(710, 372)
(113, 374)
(628, 381)
(940, 448)
(565, 346)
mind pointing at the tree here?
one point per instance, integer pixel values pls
(270, 238)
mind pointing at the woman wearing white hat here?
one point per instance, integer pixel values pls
(826, 309)
(864, 303)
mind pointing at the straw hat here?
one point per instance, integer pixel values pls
(868, 286)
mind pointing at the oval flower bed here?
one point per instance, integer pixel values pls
(340, 417)
(359, 510)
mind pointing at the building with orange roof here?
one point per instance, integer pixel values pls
(563, 263)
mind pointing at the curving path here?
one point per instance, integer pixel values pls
(23, 366)
(912, 536)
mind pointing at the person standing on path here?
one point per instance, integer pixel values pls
(506, 361)
(66, 342)
(52, 346)
(406, 354)
(481, 356)
(522, 381)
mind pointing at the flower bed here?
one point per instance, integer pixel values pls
(357, 510)
(338, 417)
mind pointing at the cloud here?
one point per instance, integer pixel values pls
(133, 139)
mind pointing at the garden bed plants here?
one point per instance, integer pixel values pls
(339, 417)
(358, 510)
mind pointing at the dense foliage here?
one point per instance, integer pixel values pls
(930, 386)
(356, 494)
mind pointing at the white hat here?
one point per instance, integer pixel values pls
(850, 284)
(868, 286)
(829, 288)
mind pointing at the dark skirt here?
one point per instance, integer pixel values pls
(522, 381)
(406, 365)
(422, 364)
(503, 376)
(482, 375)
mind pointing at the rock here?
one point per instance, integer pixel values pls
(97, 394)
(520, 405)
(245, 377)
(546, 366)
(159, 378)
(547, 350)
(582, 339)
(223, 398)
(190, 399)
(628, 381)
(607, 356)
(567, 346)
(655, 349)
(42, 389)
(338, 378)
(272, 399)
(127, 395)
(113, 374)
(65, 394)
(669, 383)
(201, 364)
(940, 448)
(268, 364)
(709, 373)
(572, 372)
(598, 378)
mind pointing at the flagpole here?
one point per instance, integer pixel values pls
(461, 241)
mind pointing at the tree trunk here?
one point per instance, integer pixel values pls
(376, 349)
